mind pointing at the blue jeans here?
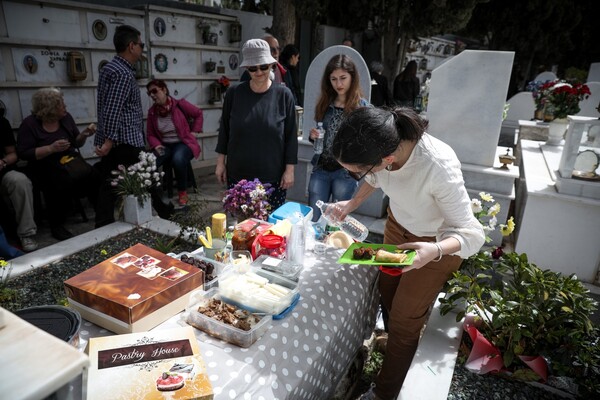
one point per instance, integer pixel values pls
(178, 157)
(337, 185)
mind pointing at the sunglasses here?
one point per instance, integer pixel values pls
(140, 44)
(263, 67)
(152, 91)
(358, 177)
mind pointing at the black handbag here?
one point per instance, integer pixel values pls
(76, 166)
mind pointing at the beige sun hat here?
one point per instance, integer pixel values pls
(256, 52)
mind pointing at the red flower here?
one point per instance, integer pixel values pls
(564, 97)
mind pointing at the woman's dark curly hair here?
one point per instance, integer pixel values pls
(368, 134)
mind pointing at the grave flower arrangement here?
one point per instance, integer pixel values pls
(564, 97)
(248, 199)
(485, 209)
(538, 94)
(521, 321)
(137, 179)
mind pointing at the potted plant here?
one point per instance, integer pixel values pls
(133, 185)
(525, 321)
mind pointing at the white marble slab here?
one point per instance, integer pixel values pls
(34, 363)
(432, 367)
(466, 102)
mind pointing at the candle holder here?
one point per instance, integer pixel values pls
(506, 159)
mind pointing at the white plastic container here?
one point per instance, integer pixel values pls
(288, 269)
(254, 291)
(219, 268)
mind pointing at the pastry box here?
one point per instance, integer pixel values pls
(133, 291)
(156, 365)
(214, 325)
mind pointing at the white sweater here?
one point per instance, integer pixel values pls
(428, 196)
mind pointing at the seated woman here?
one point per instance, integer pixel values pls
(170, 135)
(46, 140)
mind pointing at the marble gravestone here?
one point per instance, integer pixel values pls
(594, 72)
(466, 100)
(545, 76)
(521, 107)
(312, 87)
(587, 107)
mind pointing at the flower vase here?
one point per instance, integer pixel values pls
(539, 114)
(556, 131)
(134, 213)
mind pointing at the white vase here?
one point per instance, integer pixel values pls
(134, 213)
(556, 131)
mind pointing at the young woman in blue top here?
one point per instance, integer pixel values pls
(340, 94)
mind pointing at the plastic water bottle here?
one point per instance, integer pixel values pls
(318, 144)
(350, 225)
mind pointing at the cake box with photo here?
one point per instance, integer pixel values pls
(161, 364)
(133, 291)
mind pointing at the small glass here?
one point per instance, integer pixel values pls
(320, 247)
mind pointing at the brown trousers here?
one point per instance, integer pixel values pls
(407, 298)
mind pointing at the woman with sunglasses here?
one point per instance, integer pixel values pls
(340, 94)
(429, 211)
(258, 134)
(170, 135)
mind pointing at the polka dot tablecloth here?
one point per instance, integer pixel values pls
(305, 354)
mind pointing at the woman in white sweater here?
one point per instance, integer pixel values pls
(429, 211)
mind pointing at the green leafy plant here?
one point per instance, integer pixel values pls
(7, 295)
(524, 310)
(190, 223)
(372, 366)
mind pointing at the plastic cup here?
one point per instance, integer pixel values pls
(320, 247)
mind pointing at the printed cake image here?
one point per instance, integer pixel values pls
(155, 365)
(175, 378)
(169, 381)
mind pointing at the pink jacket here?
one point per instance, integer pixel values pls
(181, 111)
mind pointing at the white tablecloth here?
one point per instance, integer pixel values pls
(305, 354)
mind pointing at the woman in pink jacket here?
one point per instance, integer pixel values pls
(172, 126)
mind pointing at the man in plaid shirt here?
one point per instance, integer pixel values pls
(120, 135)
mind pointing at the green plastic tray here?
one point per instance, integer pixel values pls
(346, 258)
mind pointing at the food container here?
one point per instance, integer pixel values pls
(289, 210)
(201, 262)
(269, 245)
(245, 233)
(285, 268)
(59, 321)
(252, 290)
(219, 329)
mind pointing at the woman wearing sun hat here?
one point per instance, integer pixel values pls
(258, 134)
